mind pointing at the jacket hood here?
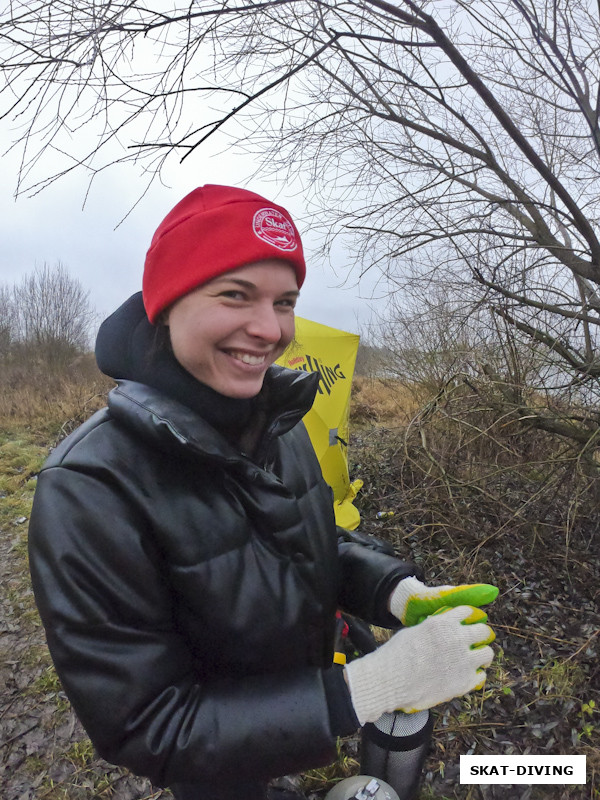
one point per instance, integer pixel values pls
(126, 341)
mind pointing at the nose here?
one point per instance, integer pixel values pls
(265, 324)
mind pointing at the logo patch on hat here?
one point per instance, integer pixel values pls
(273, 228)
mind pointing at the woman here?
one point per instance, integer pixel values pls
(183, 548)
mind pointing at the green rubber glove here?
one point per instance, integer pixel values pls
(411, 601)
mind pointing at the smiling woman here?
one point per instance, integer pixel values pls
(183, 547)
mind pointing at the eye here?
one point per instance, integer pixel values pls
(287, 302)
(234, 294)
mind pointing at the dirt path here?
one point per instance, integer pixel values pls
(44, 752)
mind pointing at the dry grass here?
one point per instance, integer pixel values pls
(383, 400)
(459, 466)
(32, 396)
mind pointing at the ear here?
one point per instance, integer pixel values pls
(163, 318)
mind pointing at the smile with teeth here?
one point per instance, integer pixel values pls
(246, 358)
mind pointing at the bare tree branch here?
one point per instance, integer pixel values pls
(455, 147)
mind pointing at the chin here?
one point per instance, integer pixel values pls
(241, 392)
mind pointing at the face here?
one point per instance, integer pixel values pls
(227, 332)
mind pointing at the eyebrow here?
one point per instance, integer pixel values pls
(250, 285)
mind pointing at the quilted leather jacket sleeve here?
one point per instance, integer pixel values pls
(368, 573)
(108, 614)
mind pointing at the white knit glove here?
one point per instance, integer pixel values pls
(412, 601)
(441, 658)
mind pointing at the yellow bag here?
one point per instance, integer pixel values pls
(331, 353)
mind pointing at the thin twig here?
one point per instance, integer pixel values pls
(18, 735)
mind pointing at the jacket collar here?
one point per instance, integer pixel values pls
(167, 423)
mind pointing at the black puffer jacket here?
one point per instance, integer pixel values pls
(189, 591)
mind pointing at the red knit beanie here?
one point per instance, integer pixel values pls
(215, 229)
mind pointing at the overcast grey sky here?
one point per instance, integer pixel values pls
(60, 225)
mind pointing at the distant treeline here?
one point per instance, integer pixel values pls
(46, 318)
